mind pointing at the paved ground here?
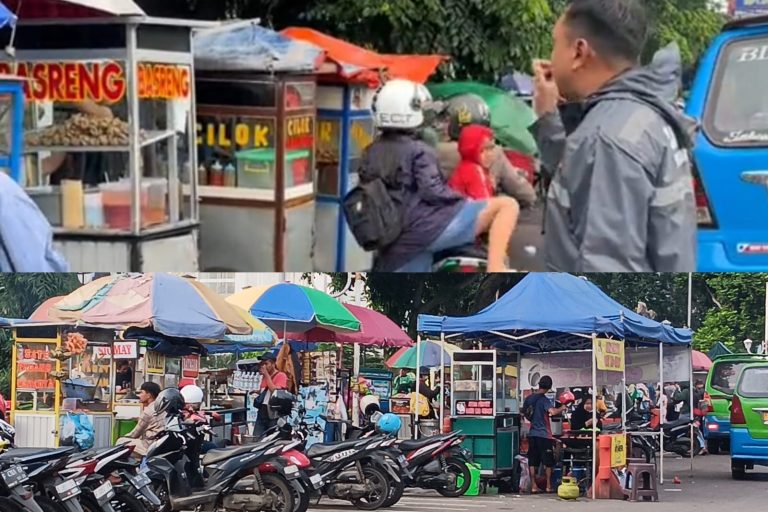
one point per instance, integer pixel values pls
(708, 488)
(527, 235)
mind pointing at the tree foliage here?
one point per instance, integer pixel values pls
(483, 37)
(20, 295)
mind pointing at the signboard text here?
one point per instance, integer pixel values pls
(609, 355)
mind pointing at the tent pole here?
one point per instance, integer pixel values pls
(624, 380)
(418, 388)
(662, 414)
(594, 422)
(442, 382)
(690, 389)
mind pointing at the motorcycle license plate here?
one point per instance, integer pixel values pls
(13, 476)
(67, 490)
(104, 493)
(291, 472)
(317, 481)
(403, 461)
(140, 481)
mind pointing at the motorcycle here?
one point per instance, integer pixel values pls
(437, 463)
(15, 489)
(112, 464)
(465, 260)
(233, 482)
(52, 492)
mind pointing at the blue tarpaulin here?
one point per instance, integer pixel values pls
(562, 303)
(6, 16)
(246, 46)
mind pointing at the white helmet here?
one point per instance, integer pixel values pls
(400, 104)
(193, 395)
(369, 404)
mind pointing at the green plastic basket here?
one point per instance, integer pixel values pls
(474, 484)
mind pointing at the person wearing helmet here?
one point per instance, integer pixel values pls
(193, 397)
(430, 217)
(150, 423)
(469, 109)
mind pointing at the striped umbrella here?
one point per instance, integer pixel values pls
(429, 355)
(287, 307)
(171, 305)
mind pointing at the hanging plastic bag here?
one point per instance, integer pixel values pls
(85, 435)
(525, 475)
(67, 431)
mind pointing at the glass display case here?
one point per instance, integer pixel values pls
(87, 385)
(107, 138)
(35, 387)
(473, 391)
(256, 167)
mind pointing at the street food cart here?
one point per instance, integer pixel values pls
(109, 134)
(491, 435)
(50, 381)
(256, 148)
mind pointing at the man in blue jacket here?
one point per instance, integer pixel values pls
(26, 239)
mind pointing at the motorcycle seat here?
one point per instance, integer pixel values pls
(35, 454)
(214, 456)
(677, 423)
(466, 251)
(414, 444)
(317, 450)
(97, 453)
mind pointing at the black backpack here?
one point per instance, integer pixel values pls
(530, 409)
(373, 215)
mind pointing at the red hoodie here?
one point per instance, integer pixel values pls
(469, 178)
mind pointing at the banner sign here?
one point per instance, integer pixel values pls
(122, 350)
(574, 369)
(190, 367)
(618, 451)
(474, 408)
(154, 362)
(609, 355)
(99, 81)
(747, 7)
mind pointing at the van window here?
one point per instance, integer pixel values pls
(754, 383)
(737, 110)
(725, 375)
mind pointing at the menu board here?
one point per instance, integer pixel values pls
(474, 408)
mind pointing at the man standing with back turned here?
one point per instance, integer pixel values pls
(621, 197)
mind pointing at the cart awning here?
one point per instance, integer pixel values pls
(247, 46)
(362, 65)
(562, 303)
(74, 8)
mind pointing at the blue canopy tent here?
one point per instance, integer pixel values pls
(549, 312)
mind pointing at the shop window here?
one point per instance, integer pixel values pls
(328, 156)
(300, 95)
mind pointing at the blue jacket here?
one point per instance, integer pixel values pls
(26, 239)
(428, 204)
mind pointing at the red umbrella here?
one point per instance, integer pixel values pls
(700, 361)
(375, 330)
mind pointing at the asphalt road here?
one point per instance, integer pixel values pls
(708, 488)
(527, 236)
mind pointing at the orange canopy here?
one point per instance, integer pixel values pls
(358, 64)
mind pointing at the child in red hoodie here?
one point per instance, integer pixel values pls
(472, 177)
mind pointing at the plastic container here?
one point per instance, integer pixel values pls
(116, 198)
(48, 199)
(157, 194)
(94, 209)
(230, 175)
(202, 175)
(72, 204)
(474, 482)
(216, 175)
(256, 168)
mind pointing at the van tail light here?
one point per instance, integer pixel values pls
(737, 412)
(703, 211)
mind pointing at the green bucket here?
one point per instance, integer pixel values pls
(474, 485)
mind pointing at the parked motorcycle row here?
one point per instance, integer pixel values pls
(277, 472)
